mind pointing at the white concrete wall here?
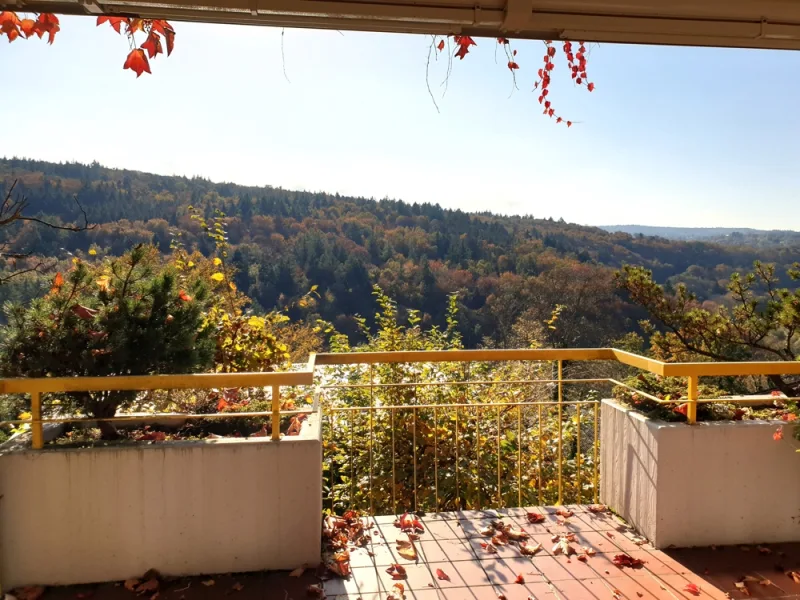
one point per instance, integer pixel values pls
(712, 483)
(104, 514)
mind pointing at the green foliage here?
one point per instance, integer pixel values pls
(480, 453)
(761, 321)
(120, 316)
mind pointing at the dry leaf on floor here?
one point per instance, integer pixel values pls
(534, 517)
(588, 551)
(490, 548)
(398, 592)
(500, 540)
(582, 558)
(527, 550)
(408, 523)
(520, 579)
(597, 508)
(794, 575)
(563, 512)
(31, 592)
(315, 591)
(516, 534)
(692, 589)
(131, 584)
(406, 549)
(626, 560)
(237, 587)
(488, 531)
(397, 571)
(742, 587)
(442, 575)
(208, 582)
(764, 550)
(298, 572)
(151, 585)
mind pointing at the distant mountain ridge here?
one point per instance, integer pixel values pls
(717, 234)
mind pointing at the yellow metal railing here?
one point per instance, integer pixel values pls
(369, 476)
(35, 387)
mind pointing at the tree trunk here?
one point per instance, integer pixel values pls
(104, 406)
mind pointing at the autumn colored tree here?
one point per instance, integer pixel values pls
(759, 321)
(120, 316)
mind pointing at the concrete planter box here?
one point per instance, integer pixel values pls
(707, 484)
(185, 508)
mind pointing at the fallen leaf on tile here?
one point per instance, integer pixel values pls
(588, 551)
(794, 575)
(298, 572)
(597, 508)
(692, 589)
(407, 550)
(527, 550)
(398, 592)
(237, 587)
(442, 575)
(488, 531)
(151, 585)
(764, 550)
(397, 571)
(490, 548)
(582, 558)
(131, 584)
(520, 579)
(563, 512)
(315, 591)
(609, 534)
(534, 517)
(501, 596)
(742, 587)
(626, 560)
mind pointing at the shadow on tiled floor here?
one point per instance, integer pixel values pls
(453, 544)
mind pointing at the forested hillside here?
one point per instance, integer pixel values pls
(508, 271)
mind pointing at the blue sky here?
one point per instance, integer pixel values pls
(670, 136)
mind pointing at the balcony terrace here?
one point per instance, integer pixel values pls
(461, 438)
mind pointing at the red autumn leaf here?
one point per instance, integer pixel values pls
(9, 22)
(559, 119)
(169, 34)
(551, 51)
(47, 23)
(27, 26)
(590, 87)
(222, 404)
(442, 575)
(626, 560)
(137, 62)
(397, 571)
(463, 42)
(153, 45)
(135, 25)
(772, 393)
(681, 409)
(534, 517)
(512, 65)
(692, 589)
(520, 579)
(789, 417)
(84, 312)
(440, 45)
(115, 22)
(778, 435)
(184, 296)
(502, 40)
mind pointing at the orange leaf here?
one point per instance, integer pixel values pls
(153, 45)
(27, 26)
(397, 571)
(184, 296)
(58, 281)
(440, 46)
(47, 23)
(135, 25)
(442, 575)
(534, 517)
(778, 435)
(463, 42)
(137, 62)
(520, 579)
(222, 404)
(9, 22)
(115, 22)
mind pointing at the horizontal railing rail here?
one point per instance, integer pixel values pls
(307, 376)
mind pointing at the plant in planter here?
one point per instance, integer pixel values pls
(124, 316)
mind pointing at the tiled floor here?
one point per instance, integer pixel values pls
(453, 545)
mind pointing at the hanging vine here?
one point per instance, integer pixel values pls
(158, 33)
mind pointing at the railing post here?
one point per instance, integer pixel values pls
(37, 435)
(560, 434)
(691, 404)
(276, 413)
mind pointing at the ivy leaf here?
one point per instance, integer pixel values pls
(153, 45)
(137, 62)
(463, 42)
(115, 22)
(512, 65)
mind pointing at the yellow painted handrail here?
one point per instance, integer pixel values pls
(692, 370)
